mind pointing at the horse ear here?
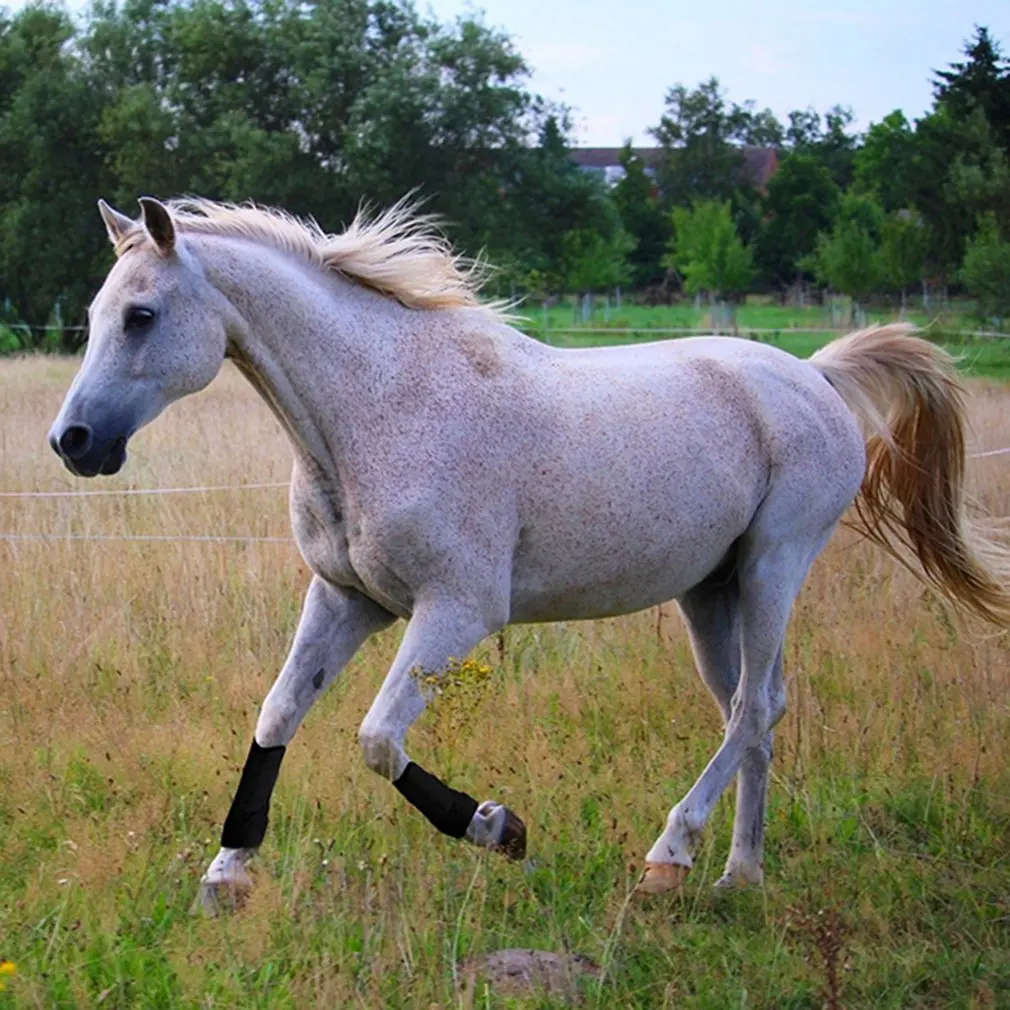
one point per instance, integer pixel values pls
(158, 224)
(116, 224)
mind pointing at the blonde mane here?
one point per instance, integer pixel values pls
(398, 252)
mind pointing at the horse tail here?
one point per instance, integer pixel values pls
(908, 397)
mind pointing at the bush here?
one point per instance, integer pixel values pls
(986, 272)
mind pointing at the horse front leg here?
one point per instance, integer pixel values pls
(334, 624)
(439, 633)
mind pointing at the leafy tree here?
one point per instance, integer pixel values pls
(986, 271)
(956, 169)
(903, 248)
(701, 137)
(636, 197)
(883, 166)
(51, 168)
(594, 262)
(547, 197)
(804, 129)
(980, 81)
(308, 106)
(802, 200)
(848, 257)
(708, 252)
(830, 141)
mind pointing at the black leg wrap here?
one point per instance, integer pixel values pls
(450, 811)
(246, 823)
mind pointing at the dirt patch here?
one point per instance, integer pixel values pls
(521, 972)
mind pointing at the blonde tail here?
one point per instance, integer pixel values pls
(907, 395)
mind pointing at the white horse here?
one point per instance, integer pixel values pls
(453, 472)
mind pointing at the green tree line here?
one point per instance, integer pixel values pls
(319, 105)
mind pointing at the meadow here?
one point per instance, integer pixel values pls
(799, 330)
(132, 672)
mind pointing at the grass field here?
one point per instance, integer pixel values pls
(757, 312)
(132, 673)
(800, 331)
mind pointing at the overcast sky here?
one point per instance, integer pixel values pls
(613, 60)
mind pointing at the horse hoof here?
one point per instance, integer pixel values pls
(218, 897)
(661, 878)
(735, 882)
(512, 843)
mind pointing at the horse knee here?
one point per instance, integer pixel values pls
(777, 707)
(382, 751)
(277, 723)
(748, 724)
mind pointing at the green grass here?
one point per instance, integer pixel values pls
(799, 331)
(360, 899)
(756, 313)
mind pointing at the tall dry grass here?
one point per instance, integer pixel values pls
(131, 677)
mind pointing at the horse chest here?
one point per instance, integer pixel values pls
(336, 551)
(321, 534)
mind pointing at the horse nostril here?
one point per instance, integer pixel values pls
(75, 441)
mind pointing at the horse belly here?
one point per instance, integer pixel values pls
(585, 572)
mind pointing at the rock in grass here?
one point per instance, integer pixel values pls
(523, 972)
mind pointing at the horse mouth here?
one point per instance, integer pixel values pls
(97, 461)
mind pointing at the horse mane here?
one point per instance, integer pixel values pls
(398, 252)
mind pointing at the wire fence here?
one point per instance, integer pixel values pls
(142, 538)
(142, 491)
(197, 489)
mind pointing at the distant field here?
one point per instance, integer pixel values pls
(132, 674)
(795, 330)
(757, 313)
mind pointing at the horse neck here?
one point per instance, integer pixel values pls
(304, 345)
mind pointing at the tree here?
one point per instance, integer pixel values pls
(956, 170)
(52, 168)
(980, 81)
(904, 243)
(544, 199)
(986, 271)
(701, 137)
(306, 106)
(883, 165)
(595, 262)
(830, 143)
(847, 258)
(636, 197)
(801, 202)
(708, 252)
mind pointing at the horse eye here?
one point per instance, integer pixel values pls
(138, 319)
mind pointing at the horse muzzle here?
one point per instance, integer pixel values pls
(86, 452)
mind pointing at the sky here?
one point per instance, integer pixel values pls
(614, 60)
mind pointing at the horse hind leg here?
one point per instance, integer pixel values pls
(711, 612)
(738, 631)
